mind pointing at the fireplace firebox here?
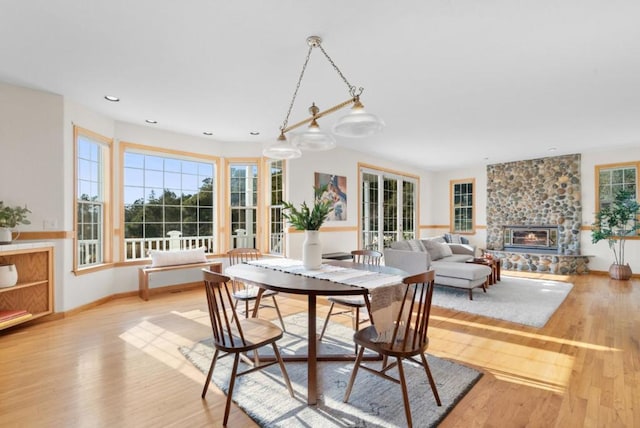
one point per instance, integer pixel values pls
(542, 238)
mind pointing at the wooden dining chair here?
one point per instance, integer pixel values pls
(408, 339)
(246, 293)
(233, 335)
(352, 303)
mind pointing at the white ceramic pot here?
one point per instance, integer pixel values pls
(5, 235)
(311, 250)
(8, 275)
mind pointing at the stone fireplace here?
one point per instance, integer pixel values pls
(534, 214)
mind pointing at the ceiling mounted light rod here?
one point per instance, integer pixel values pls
(358, 123)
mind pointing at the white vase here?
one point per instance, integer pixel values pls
(5, 235)
(8, 275)
(311, 250)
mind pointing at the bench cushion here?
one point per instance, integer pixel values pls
(177, 257)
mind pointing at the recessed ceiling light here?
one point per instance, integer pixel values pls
(552, 149)
(111, 98)
(207, 133)
(151, 121)
(486, 159)
(254, 133)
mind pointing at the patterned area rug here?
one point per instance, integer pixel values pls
(520, 300)
(374, 402)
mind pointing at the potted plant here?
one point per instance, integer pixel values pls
(309, 219)
(10, 217)
(616, 222)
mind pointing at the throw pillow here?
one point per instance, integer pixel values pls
(435, 248)
(453, 238)
(416, 245)
(179, 257)
(400, 245)
(445, 250)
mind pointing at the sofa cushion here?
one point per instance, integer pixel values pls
(457, 258)
(436, 249)
(412, 262)
(458, 282)
(468, 271)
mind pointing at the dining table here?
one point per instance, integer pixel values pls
(271, 278)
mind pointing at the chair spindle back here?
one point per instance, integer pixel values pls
(241, 255)
(227, 331)
(410, 329)
(368, 257)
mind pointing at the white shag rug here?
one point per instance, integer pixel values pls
(520, 300)
(374, 402)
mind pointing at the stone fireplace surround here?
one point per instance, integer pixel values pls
(535, 192)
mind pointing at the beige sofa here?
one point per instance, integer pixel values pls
(447, 260)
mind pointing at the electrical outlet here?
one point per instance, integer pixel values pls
(50, 224)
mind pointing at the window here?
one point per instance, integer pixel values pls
(276, 221)
(243, 203)
(462, 217)
(169, 202)
(612, 178)
(92, 219)
(388, 208)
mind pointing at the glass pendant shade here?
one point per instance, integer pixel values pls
(358, 123)
(313, 139)
(282, 149)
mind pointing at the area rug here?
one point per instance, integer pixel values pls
(520, 300)
(374, 402)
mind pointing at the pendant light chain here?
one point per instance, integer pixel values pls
(295, 93)
(352, 89)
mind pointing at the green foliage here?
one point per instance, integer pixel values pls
(11, 217)
(308, 218)
(616, 222)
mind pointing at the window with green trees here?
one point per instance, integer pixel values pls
(92, 191)
(169, 203)
(276, 221)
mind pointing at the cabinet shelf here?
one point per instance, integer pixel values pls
(34, 291)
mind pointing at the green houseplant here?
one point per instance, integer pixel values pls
(10, 217)
(309, 219)
(615, 223)
(305, 217)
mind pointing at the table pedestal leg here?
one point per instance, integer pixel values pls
(312, 384)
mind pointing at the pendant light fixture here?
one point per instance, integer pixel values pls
(357, 123)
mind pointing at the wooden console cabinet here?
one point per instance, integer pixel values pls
(34, 290)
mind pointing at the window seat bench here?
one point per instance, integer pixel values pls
(145, 271)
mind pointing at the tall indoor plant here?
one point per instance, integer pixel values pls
(10, 217)
(616, 222)
(309, 219)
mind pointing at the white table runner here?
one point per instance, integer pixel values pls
(386, 290)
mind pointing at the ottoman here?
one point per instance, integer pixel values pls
(461, 275)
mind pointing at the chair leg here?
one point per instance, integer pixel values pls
(356, 366)
(211, 367)
(246, 308)
(275, 304)
(431, 382)
(282, 368)
(232, 382)
(357, 320)
(405, 394)
(326, 322)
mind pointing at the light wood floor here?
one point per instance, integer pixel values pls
(117, 365)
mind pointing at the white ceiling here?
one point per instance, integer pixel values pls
(456, 81)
